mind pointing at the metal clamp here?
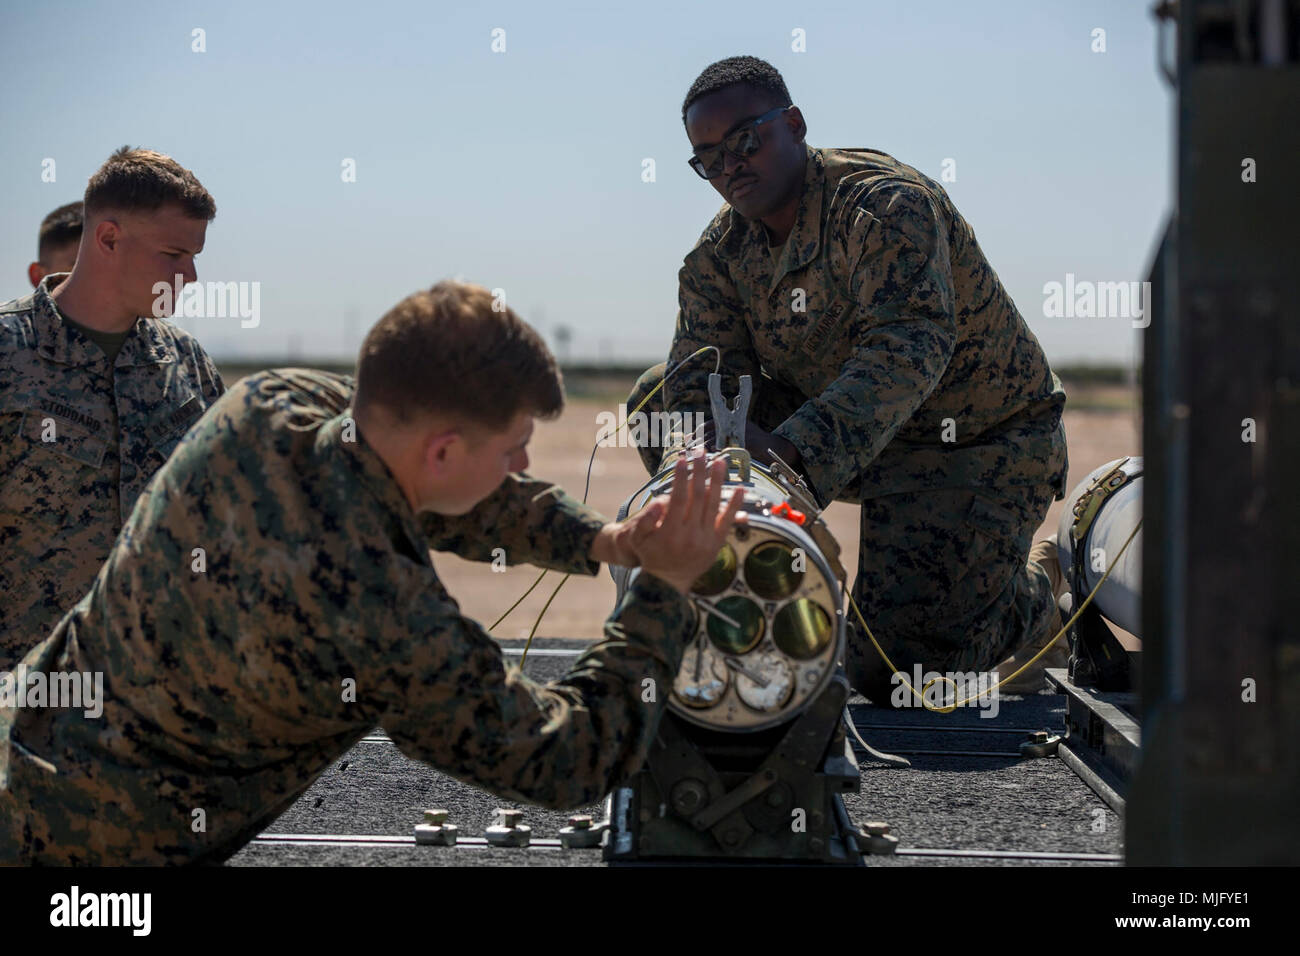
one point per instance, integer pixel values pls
(435, 831)
(509, 831)
(793, 482)
(1087, 507)
(1040, 744)
(874, 838)
(581, 833)
(729, 421)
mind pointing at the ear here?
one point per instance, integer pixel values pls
(107, 235)
(35, 273)
(441, 450)
(798, 128)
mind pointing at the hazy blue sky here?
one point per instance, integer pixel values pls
(522, 170)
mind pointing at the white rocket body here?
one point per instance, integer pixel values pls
(1120, 598)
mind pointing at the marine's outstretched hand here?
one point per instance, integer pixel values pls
(677, 538)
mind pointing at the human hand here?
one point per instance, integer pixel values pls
(678, 536)
(613, 542)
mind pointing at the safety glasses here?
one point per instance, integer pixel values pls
(740, 142)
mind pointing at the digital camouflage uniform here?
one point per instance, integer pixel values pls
(228, 689)
(906, 338)
(79, 440)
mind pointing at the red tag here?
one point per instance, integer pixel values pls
(783, 510)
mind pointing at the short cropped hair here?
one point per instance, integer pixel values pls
(60, 228)
(749, 70)
(456, 350)
(141, 180)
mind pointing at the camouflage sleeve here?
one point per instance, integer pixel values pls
(903, 332)
(535, 521)
(448, 699)
(710, 312)
(209, 378)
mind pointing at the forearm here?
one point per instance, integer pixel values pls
(563, 744)
(840, 431)
(532, 521)
(903, 338)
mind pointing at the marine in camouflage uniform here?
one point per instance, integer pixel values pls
(82, 435)
(883, 346)
(227, 689)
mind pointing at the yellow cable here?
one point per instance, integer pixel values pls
(537, 623)
(517, 603)
(1079, 610)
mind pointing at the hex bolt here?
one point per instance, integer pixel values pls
(435, 831)
(509, 832)
(580, 834)
(687, 796)
(1039, 744)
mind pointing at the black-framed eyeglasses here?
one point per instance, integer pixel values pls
(740, 142)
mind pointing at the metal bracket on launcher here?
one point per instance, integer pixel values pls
(729, 422)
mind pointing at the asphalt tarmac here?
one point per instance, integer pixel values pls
(969, 798)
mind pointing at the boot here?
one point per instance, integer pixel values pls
(1045, 555)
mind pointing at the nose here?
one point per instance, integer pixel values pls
(191, 272)
(519, 462)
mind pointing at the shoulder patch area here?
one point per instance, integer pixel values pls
(907, 210)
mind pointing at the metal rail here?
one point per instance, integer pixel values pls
(379, 839)
(480, 843)
(542, 651)
(1015, 855)
(1101, 782)
(950, 728)
(1100, 735)
(384, 739)
(1003, 754)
